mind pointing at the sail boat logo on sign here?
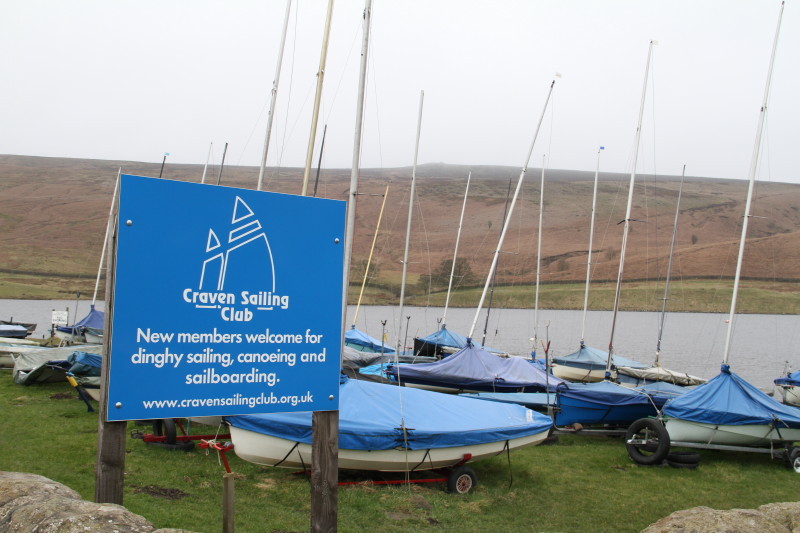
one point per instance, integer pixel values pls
(238, 273)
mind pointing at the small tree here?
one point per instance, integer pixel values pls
(358, 268)
(462, 275)
(694, 238)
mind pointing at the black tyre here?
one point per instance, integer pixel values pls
(647, 442)
(674, 464)
(686, 458)
(166, 428)
(794, 459)
(461, 480)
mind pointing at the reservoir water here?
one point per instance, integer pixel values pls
(761, 348)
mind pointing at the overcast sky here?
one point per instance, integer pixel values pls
(133, 80)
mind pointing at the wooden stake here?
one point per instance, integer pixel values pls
(110, 467)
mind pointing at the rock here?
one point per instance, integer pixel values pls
(35, 504)
(771, 518)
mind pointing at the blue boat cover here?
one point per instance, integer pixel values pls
(445, 337)
(605, 393)
(95, 319)
(371, 417)
(361, 341)
(531, 400)
(790, 379)
(475, 368)
(594, 359)
(730, 400)
(84, 363)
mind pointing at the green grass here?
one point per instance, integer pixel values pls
(702, 296)
(578, 484)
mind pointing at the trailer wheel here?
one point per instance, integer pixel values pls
(794, 459)
(461, 480)
(647, 441)
(166, 428)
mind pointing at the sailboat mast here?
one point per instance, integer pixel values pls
(105, 239)
(410, 213)
(350, 221)
(455, 253)
(753, 169)
(538, 263)
(627, 221)
(369, 259)
(317, 99)
(273, 98)
(205, 168)
(589, 255)
(669, 272)
(511, 210)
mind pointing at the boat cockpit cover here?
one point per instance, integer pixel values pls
(372, 417)
(792, 379)
(474, 367)
(361, 341)
(730, 400)
(95, 319)
(592, 358)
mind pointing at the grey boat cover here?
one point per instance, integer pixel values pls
(47, 366)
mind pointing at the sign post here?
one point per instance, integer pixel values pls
(225, 302)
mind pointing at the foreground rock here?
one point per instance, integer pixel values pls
(34, 504)
(770, 518)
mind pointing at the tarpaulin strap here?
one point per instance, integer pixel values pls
(507, 449)
(426, 456)
(296, 444)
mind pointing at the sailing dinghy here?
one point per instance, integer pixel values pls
(390, 428)
(727, 412)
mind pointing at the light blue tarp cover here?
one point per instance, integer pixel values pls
(594, 359)
(730, 400)
(475, 368)
(791, 379)
(361, 341)
(371, 414)
(95, 319)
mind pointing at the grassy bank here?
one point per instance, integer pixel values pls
(702, 296)
(578, 484)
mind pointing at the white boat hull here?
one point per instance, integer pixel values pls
(743, 435)
(274, 451)
(790, 394)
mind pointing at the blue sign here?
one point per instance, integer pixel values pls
(226, 301)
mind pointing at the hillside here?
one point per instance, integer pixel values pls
(53, 215)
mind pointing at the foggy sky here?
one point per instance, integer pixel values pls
(133, 80)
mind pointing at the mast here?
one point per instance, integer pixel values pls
(273, 98)
(669, 271)
(589, 255)
(105, 239)
(353, 193)
(369, 259)
(538, 263)
(627, 220)
(455, 253)
(494, 275)
(315, 117)
(505, 225)
(753, 168)
(205, 168)
(410, 212)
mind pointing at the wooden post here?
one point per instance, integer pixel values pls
(324, 471)
(110, 467)
(227, 503)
